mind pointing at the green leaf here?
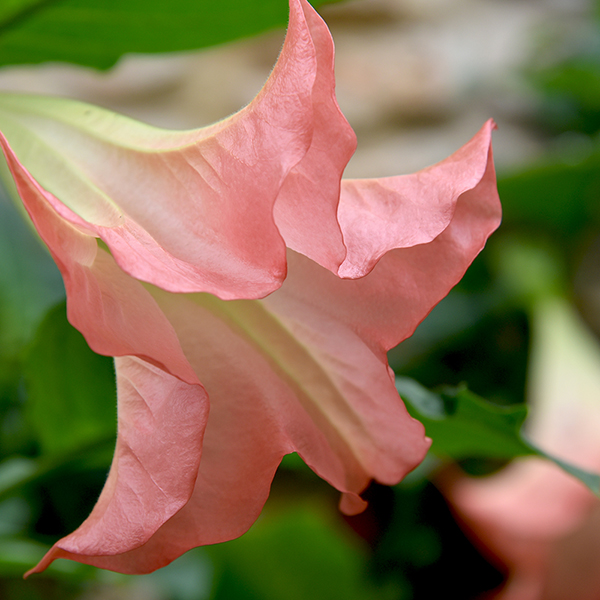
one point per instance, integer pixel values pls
(97, 33)
(463, 425)
(72, 391)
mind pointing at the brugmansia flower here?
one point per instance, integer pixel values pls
(248, 295)
(532, 518)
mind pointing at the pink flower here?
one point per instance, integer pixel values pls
(249, 298)
(532, 518)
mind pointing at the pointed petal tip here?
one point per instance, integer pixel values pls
(352, 504)
(416, 209)
(43, 564)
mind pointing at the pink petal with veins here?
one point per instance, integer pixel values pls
(305, 368)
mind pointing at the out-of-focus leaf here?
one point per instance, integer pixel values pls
(579, 78)
(299, 551)
(30, 282)
(293, 462)
(571, 94)
(490, 352)
(463, 425)
(528, 271)
(97, 33)
(9, 9)
(14, 515)
(17, 554)
(187, 578)
(559, 195)
(17, 472)
(14, 470)
(72, 391)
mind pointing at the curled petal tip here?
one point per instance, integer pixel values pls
(378, 216)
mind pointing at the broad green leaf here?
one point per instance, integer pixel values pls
(463, 425)
(97, 33)
(72, 390)
(30, 282)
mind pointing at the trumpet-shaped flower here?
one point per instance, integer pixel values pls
(248, 295)
(533, 518)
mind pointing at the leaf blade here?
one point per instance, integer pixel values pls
(97, 33)
(463, 425)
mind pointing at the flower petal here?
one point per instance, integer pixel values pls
(161, 425)
(317, 346)
(384, 307)
(343, 382)
(269, 397)
(379, 215)
(307, 205)
(302, 370)
(162, 406)
(110, 309)
(187, 211)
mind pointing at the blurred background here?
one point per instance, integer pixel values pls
(416, 79)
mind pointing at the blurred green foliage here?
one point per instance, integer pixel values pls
(59, 371)
(29, 285)
(306, 552)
